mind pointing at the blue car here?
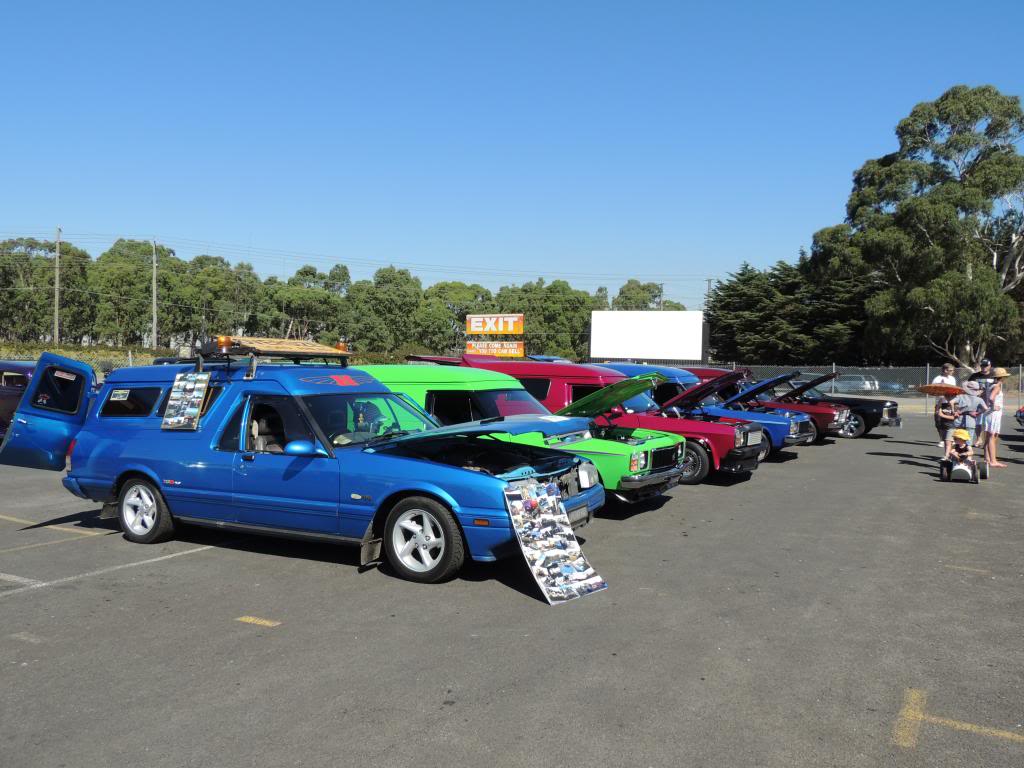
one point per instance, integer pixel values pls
(684, 391)
(321, 452)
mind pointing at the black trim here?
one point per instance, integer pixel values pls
(264, 530)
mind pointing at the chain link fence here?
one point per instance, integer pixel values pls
(881, 382)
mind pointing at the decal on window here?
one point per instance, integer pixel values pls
(119, 394)
(342, 380)
(65, 375)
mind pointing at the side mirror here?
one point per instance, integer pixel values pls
(303, 448)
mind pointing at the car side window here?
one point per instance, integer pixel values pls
(275, 421)
(450, 407)
(15, 380)
(130, 401)
(536, 387)
(579, 391)
(59, 390)
(230, 439)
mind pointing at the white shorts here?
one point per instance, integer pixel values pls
(991, 422)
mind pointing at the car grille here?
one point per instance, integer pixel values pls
(804, 427)
(892, 411)
(754, 437)
(663, 458)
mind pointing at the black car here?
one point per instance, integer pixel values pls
(865, 413)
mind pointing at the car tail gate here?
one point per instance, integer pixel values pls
(50, 414)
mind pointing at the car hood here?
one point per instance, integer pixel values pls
(605, 399)
(751, 393)
(509, 425)
(698, 392)
(797, 391)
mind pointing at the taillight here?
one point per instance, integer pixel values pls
(67, 456)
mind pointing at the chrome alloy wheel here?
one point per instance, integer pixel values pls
(139, 510)
(418, 539)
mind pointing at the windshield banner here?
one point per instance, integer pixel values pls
(545, 536)
(185, 403)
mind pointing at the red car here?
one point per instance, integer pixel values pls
(827, 418)
(712, 443)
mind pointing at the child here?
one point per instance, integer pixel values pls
(960, 451)
(945, 420)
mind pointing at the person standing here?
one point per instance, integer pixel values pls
(943, 425)
(994, 416)
(970, 408)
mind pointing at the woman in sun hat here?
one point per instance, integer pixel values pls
(993, 418)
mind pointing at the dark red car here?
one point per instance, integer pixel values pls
(712, 443)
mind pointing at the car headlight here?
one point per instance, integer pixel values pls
(793, 428)
(739, 438)
(588, 475)
(638, 461)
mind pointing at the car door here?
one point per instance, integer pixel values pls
(49, 414)
(272, 488)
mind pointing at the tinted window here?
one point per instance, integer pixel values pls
(59, 390)
(229, 440)
(16, 380)
(212, 393)
(666, 391)
(130, 401)
(505, 402)
(537, 387)
(450, 407)
(275, 421)
(579, 391)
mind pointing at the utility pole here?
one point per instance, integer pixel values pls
(56, 293)
(153, 243)
(707, 293)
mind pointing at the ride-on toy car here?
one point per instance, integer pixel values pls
(323, 452)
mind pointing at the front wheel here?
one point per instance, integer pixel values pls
(143, 513)
(854, 426)
(816, 435)
(696, 464)
(766, 447)
(423, 541)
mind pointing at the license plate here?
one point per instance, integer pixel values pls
(577, 514)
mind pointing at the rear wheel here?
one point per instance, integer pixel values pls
(696, 464)
(854, 426)
(143, 512)
(423, 541)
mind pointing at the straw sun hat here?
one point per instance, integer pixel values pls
(1000, 373)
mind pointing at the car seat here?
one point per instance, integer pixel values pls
(267, 430)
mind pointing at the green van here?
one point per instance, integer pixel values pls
(633, 463)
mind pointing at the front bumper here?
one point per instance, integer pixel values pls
(740, 460)
(891, 421)
(636, 487)
(797, 440)
(581, 507)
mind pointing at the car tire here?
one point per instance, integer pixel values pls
(817, 436)
(143, 513)
(854, 427)
(696, 464)
(422, 541)
(766, 441)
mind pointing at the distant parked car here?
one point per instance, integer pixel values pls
(14, 377)
(852, 383)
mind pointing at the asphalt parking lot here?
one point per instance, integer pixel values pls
(843, 608)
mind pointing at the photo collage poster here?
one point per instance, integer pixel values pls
(552, 553)
(185, 403)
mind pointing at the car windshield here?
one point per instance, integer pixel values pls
(353, 419)
(814, 392)
(641, 403)
(711, 400)
(494, 403)
(766, 396)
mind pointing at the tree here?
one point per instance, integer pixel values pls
(634, 295)
(440, 320)
(945, 210)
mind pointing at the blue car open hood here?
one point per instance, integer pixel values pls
(751, 392)
(510, 425)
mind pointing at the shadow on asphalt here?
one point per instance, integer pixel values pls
(726, 479)
(89, 520)
(907, 459)
(614, 509)
(781, 457)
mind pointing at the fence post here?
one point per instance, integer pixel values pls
(927, 380)
(130, 363)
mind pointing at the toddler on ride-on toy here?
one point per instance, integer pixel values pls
(960, 463)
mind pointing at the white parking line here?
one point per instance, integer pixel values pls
(19, 579)
(100, 572)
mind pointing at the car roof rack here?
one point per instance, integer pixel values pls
(255, 348)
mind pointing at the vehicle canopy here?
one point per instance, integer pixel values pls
(698, 392)
(438, 375)
(751, 392)
(23, 367)
(671, 374)
(528, 368)
(602, 401)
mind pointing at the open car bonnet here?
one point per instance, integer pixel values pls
(605, 399)
(511, 425)
(698, 392)
(751, 393)
(797, 391)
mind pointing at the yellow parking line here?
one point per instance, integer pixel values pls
(964, 568)
(258, 621)
(912, 714)
(51, 527)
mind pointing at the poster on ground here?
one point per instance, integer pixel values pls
(552, 553)
(185, 402)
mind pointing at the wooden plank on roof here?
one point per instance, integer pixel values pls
(263, 345)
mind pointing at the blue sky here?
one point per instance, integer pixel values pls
(482, 141)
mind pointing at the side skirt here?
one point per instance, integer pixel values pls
(263, 530)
